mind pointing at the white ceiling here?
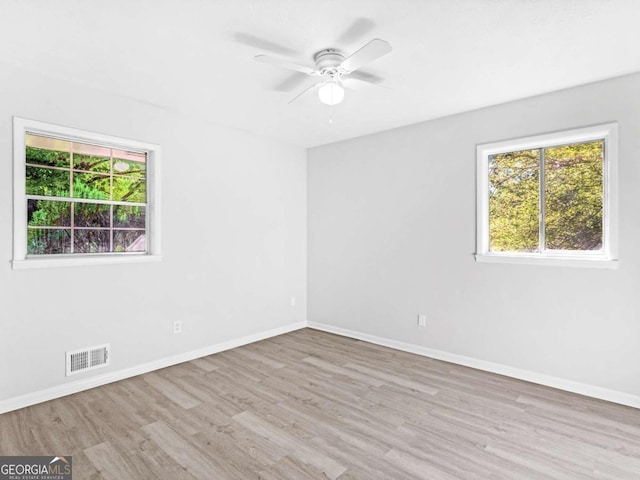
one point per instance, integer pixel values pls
(196, 56)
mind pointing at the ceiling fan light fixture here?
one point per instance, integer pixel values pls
(331, 93)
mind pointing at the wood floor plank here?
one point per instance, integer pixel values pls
(466, 458)
(394, 378)
(252, 357)
(419, 468)
(361, 463)
(325, 425)
(368, 379)
(172, 391)
(83, 468)
(112, 464)
(188, 455)
(156, 406)
(246, 462)
(312, 405)
(291, 468)
(16, 433)
(308, 455)
(204, 364)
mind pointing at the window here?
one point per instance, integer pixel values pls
(83, 198)
(549, 199)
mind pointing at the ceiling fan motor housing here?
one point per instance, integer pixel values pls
(328, 61)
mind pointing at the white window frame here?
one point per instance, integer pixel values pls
(23, 126)
(608, 256)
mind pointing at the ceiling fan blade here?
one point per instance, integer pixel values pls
(354, 83)
(290, 83)
(285, 64)
(305, 91)
(358, 29)
(366, 77)
(262, 44)
(373, 50)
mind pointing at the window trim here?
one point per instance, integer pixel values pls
(608, 258)
(22, 126)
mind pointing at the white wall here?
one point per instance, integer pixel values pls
(392, 233)
(233, 231)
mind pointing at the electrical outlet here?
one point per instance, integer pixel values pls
(422, 320)
(177, 326)
(293, 301)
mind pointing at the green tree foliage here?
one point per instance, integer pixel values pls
(48, 173)
(47, 182)
(51, 158)
(41, 241)
(46, 213)
(90, 163)
(87, 185)
(514, 201)
(573, 198)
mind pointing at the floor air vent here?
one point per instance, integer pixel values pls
(85, 359)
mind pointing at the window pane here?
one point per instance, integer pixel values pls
(83, 196)
(514, 201)
(47, 181)
(132, 164)
(91, 150)
(51, 158)
(91, 215)
(45, 213)
(129, 189)
(128, 217)
(129, 241)
(91, 163)
(48, 241)
(87, 185)
(91, 241)
(128, 167)
(129, 155)
(47, 143)
(574, 196)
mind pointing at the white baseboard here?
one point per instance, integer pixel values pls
(52, 393)
(529, 376)
(91, 382)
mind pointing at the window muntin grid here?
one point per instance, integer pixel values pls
(108, 180)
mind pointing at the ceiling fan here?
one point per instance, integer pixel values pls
(332, 67)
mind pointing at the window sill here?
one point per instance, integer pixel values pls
(557, 261)
(69, 261)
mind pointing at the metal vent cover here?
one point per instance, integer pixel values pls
(89, 358)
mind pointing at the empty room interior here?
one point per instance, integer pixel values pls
(320, 240)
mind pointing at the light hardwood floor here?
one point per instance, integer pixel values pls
(314, 405)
